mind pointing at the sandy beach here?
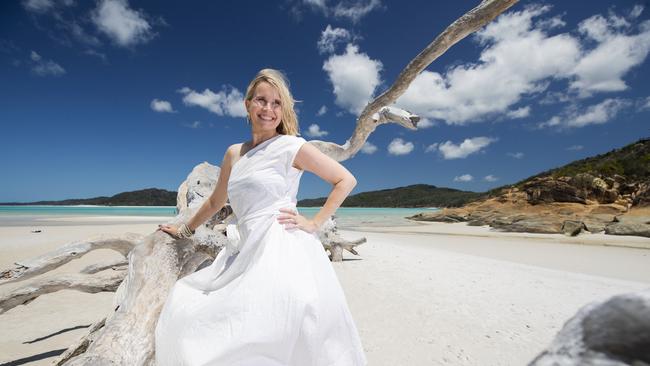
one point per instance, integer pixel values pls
(427, 294)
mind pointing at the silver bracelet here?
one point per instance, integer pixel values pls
(184, 232)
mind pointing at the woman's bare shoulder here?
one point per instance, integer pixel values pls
(234, 152)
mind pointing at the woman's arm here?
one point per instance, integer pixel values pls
(311, 159)
(217, 199)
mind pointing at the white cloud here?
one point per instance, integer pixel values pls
(472, 92)
(522, 112)
(321, 111)
(516, 155)
(354, 76)
(222, 103)
(161, 106)
(425, 123)
(646, 104)
(490, 178)
(521, 58)
(38, 6)
(636, 11)
(315, 131)
(400, 147)
(42, 67)
(430, 148)
(355, 10)
(125, 26)
(352, 10)
(575, 148)
(330, 37)
(464, 178)
(602, 68)
(193, 125)
(469, 146)
(368, 148)
(599, 113)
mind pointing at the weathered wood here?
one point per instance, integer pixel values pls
(112, 264)
(82, 282)
(35, 266)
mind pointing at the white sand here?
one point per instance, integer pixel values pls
(423, 295)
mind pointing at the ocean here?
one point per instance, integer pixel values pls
(346, 217)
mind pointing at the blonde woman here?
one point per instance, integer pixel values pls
(272, 296)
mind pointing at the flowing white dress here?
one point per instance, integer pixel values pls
(271, 297)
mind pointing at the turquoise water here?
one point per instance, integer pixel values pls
(89, 210)
(345, 216)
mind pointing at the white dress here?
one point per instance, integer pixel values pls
(271, 298)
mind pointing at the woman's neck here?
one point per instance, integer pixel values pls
(259, 137)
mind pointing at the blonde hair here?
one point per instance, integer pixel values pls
(289, 123)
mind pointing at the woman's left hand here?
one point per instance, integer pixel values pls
(291, 219)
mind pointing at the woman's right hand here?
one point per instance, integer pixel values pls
(169, 229)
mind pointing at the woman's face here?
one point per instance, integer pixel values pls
(265, 109)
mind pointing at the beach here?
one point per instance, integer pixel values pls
(425, 294)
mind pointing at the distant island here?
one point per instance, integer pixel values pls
(143, 197)
(417, 195)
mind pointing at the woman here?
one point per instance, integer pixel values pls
(272, 297)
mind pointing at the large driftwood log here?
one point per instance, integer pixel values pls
(32, 267)
(125, 337)
(81, 282)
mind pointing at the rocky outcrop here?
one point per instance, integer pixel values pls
(612, 332)
(630, 225)
(568, 205)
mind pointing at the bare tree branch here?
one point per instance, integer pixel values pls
(81, 282)
(367, 122)
(32, 267)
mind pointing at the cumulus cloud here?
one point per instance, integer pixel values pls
(490, 178)
(122, 24)
(431, 148)
(368, 148)
(574, 117)
(592, 60)
(355, 10)
(354, 76)
(330, 37)
(400, 147)
(425, 123)
(516, 155)
(352, 10)
(522, 112)
(646, 104)
(321, 111)
(472, 92)
(193, 125)
(38, 6)
(229, 103)
(161, 106)
(43, 67)
(315, 131)
(464, 178)
(602, 68)
(450, 150)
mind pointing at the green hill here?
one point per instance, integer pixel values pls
(417, 195)
(144, 197)
(631, 161)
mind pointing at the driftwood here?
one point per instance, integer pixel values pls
(157, 261)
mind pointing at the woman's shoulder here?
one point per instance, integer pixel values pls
(293, 139)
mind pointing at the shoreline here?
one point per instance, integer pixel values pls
(424, 294)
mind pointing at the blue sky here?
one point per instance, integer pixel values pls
(101, 97)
